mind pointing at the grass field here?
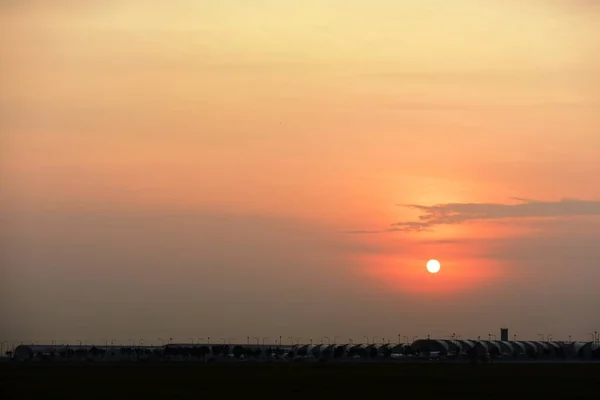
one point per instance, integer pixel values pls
(187, 380)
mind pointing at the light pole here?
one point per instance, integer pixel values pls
(328, 340)
(263, 339)
(366, 337)
(79, 343)
(541, 335)
(132, 342)
(141, 342)
(548, 337)
(374, 337)
(257, 340)
(334, 339)
(162, 341)
(297, 340)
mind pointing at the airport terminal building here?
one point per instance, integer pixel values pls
(419, 349)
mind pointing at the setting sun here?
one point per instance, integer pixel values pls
(433, 266)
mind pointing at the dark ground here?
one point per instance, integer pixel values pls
(188, 380)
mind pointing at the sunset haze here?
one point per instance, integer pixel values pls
(286, 168)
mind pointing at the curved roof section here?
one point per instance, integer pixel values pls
(326, 347)
(48, 348)
(39, 348)
(430, 345)
(302, 347)
(530, 346)
(542, 347)
(399, 348)
(493, 346)
(454, 345)
(519, 347)
(481, 347)
(577, 346)
(506, 347)
(466, 344)
(345, 348)
(482, 344)
(585, 349)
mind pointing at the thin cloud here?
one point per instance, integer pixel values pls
(363, 231)
(577, 5)
(460, 213)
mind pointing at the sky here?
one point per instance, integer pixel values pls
(191, 169)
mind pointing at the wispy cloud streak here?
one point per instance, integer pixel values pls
(459, 213)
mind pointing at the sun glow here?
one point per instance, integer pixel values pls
(433, 266)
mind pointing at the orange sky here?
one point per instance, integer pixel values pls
(146, 145)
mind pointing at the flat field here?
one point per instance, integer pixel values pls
(193, 380)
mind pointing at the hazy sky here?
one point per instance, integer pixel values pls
(285, 168)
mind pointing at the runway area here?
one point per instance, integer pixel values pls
(191, 380)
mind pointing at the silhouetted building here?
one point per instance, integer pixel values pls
(504, 334)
